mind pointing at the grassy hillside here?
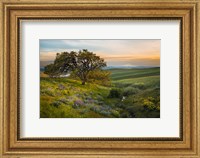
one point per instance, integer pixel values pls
(133, 93)
(119, 74)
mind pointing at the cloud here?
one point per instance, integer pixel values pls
(47, 56)
(140, 52)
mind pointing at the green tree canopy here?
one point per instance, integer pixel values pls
(80, 63)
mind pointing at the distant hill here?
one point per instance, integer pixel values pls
(128, 67)
(122, 73)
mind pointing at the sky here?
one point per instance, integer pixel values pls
(115, 52)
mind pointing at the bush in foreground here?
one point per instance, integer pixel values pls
(115, 93)
(130, 91)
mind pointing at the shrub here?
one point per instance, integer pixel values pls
(115, 113)
(83, 111)
(105, 113)
(115, 93)
(151, 99)
(78, 103)
(100, 103)
(124, 115)
(158, 108)
(149, 104)
(63, 100)
(89, 101)
(105, 107)
(129, 91)
(101, 110)
(61, 87)
(139, 85)
(56, 104)
(101, 77)
(48, 91)
(99, 97)
(131, 111)
(119, 104)
(95, 109)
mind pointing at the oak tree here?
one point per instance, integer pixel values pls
(80, 63)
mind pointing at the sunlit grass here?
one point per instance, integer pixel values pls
(68, 98)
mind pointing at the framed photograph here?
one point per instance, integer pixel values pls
(99, 79)
(117, 79)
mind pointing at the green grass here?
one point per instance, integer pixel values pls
(150, 81)
(119, 74)
(67, 98)
(58, 95)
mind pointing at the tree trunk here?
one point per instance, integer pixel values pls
(83, 82)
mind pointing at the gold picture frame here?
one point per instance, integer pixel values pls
(12, 12)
